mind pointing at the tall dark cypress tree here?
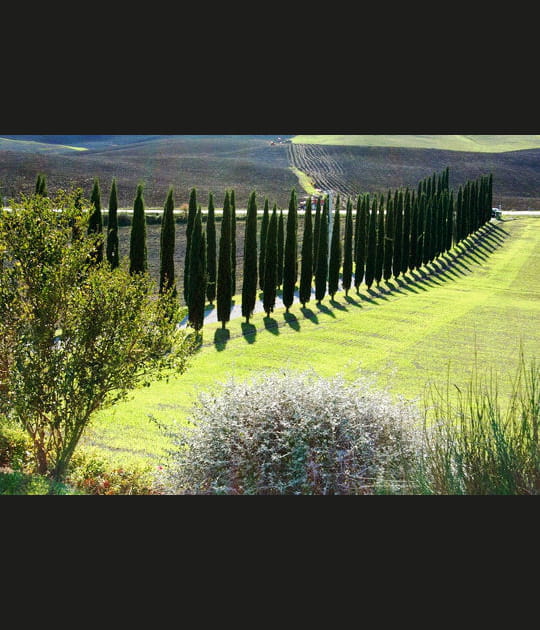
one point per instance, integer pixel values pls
(428, 221)
(41, 185)
(334, 265)
(192, 212)
(270, 264)
(415, 235)
(249, 284)
(197, 274)
(290, 262)
(224, 284)
(262, 243)
(360, 241)
(211, 251)
(167, 244)
(137, 245)
(379, 257)
(398, 235)
(95, 222)
(232, 199)
(321, 275)
(306, 271)
(316, 234)
(112, 228)
(389, 229)
(371, 248)
(406, 241)
(280, 249)
(348, 248)
(421, 222)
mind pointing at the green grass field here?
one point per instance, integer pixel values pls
(413, 333)
(476, 144)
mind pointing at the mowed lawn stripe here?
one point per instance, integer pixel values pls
(483, 306)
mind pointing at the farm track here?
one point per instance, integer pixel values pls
(317, 162)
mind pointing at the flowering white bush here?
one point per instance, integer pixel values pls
(288, 433)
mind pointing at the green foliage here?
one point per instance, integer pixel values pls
(95, 222)
(371, 246)
(316, 234)
(263, 237)
(192, 211)
(389, 228)
(112, 228)
(167, 245)
(41, 185)
(334, 265)
(20, 483)
(224, 284)
(360, 239)
(138, 259)
(74, 338)
(321, 274)
(270, 265)
(306, 271)
(348, 248)
(232, 198)
(293, 434)
(15, 446)
(249, 285)
(197, 274)
(211, 251)
(280, 249)
(290, 262)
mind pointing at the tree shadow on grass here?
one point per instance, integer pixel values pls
(292, 321)
(324, 309)
(338, 306)
(221, 337)
(249, 332)
(350, 300)
(309, 314)
(271, 325)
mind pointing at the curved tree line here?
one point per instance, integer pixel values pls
(371, 239)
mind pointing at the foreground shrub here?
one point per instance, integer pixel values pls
(91, 474)
(17, 482)
(294, 434)
(476, 445)
(15, 446)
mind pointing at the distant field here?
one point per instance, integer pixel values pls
(475, 144)
(415, 332)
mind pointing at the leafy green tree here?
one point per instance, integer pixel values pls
(197, 274)
(224, 283)
(290, 262)
(321, 276)
(280, 248)
(249, 284)
(348, 248)
(80, 337)
(306, 271)
(334, 265)
(263, 237)
(138, 259)
(113, 256)
(270, 264)
(95, 224)
(167, 245)
(192, 212)
(211, 251)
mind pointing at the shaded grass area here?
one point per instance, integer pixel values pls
(471, 305)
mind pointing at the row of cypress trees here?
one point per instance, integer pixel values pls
(387, 235)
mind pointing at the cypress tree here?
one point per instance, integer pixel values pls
(249, 284)
(398, 236)
(233, 241)
(41, 185)
(306, 272)
(290, 262)
(334, 265)
(262, 243)
(348, 248)
(280, 249)
(413, 241)
(421, 223)
(192, 212)
(428, 219)
(406, 240)
(371, 247)
(224, 284)
(211, 251)
(389, 229)
(197, 274)
(137, 246)
(270, 264)
(95, 222)
(321, 275)
(112, 228)
(362, 214)
(316, 234)
(379, 257)
(167, 244)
